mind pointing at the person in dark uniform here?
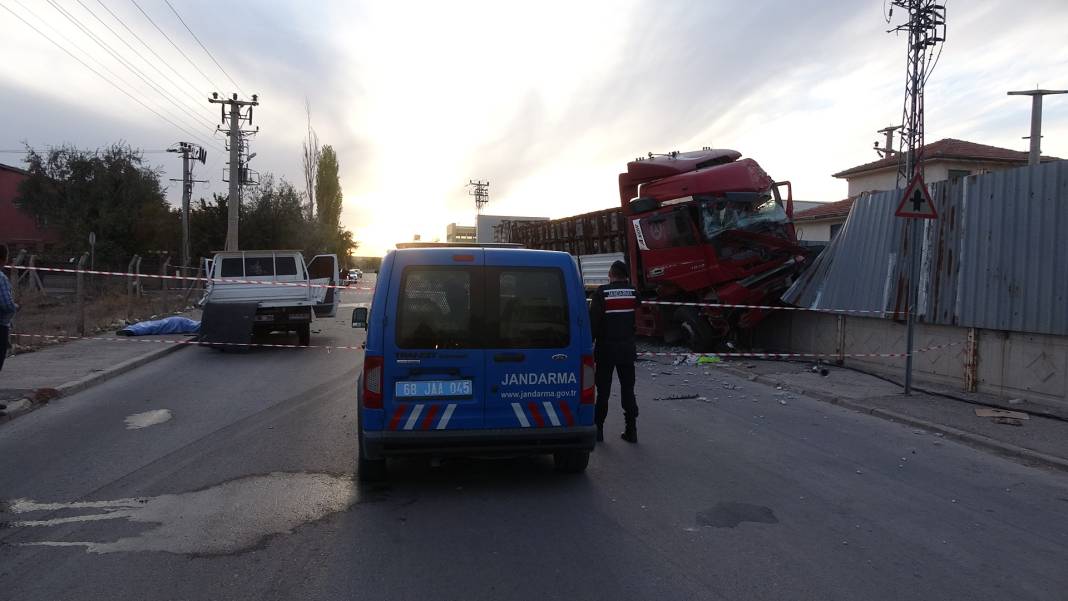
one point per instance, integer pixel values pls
(612, 313)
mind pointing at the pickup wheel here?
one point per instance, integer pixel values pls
(304, 334)
(697, 332)
(571, 462)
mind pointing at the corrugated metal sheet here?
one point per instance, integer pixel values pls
(996, 258)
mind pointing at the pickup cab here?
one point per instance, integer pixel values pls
(260, 291)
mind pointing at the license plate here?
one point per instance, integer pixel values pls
(433, 388)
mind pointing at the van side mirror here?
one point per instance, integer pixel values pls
(359, 317)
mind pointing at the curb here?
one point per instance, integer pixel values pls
(26, 405)
(976, 440)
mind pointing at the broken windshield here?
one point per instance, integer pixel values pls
(719, 214)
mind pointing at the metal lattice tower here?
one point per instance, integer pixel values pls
(480, 192)
(926, 27)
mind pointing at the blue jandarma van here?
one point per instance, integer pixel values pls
(476, 350)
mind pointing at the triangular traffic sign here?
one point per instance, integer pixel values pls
(916, 201)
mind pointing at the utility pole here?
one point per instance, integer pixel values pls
(926, 27)
(480, 192)
(1035, 156)
(236, 146)
(190, 152)
(888, 146)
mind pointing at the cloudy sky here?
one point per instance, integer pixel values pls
(547, 100)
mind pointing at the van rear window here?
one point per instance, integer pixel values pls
(531, 309)
(435, 309)
(258, 267)
(285, 266)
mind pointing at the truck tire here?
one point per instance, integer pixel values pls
(697, 332)
(304, 334)
(571, 462)
(642, 205)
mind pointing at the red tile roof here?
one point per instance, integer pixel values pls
(826, 210)
(950, 149)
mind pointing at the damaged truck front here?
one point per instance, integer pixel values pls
(707, 227)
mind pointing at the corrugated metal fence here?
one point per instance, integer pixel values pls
(996, 258)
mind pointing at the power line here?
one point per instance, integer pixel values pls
(132, 49)
(97, 73)
(197, 92)
(129, 66)
(180, 51)
(203, 47)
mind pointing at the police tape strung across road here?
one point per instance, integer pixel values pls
(185, 278)
(344, 287)
(329, 348)
(768, 307)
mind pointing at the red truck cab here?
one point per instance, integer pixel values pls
(707, 226)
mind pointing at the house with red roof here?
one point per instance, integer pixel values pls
(941, 160)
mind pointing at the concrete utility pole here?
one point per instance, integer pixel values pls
(236, 145)
(888, 146)
(1035, 156)
(190, 152)
(480, 192)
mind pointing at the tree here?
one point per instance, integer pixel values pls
(108, 191)
(328, 190)
(310, 156)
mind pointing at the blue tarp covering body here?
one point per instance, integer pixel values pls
(170, 325)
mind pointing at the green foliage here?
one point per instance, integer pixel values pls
(112, 193)
(109, 192)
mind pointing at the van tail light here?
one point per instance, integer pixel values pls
(587, 397)
(372, 382)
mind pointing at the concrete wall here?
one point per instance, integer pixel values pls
(932, 172)
(1007, 364)
(816, 231)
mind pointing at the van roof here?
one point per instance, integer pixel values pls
(518, 255)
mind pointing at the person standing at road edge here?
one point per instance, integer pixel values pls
(7, 306)
(612, 314)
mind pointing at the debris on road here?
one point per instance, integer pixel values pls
(990, 412)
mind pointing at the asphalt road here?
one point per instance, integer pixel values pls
(242, 489)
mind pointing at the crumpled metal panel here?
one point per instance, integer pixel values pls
(996, 258)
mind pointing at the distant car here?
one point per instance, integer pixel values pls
(475, 351)
(355, 275)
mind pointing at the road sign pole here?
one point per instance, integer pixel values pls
(914, 256)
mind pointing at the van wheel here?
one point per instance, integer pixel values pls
(304, 334)
(697, 332)
(571, 462)
(368, 470)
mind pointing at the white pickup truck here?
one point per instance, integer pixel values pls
(253, 291)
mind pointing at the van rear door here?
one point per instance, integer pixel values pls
(533, 347)
(433, 357)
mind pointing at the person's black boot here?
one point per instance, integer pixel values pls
(600, 432)
(630, 434)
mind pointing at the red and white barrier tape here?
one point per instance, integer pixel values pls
(185, 278)
(801, 355)
(187, 342)
(357, 348)
(766, 307)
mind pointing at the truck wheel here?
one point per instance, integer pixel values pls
(571, 462)
(642, 205)
(304, 334)
(697, 332)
